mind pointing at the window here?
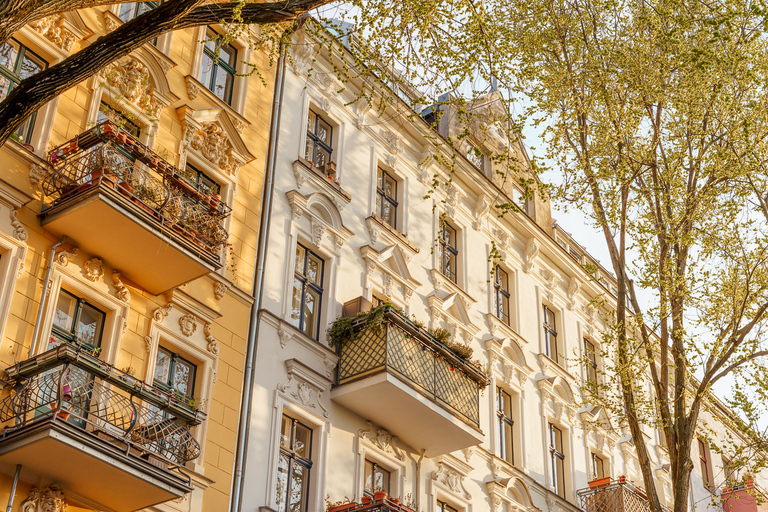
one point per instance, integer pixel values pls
(704, 463)
(447, 251)
(133, 10)
(77, 321)
(444, 507)
(173, 372)
(307, 291)
(107, 113)
(319, 140)
(557, 457)
(200, 180)
(376, 478)
(591, 360)
(731, 472)
(598, 467)
(17, 62)
(506, 436)
(294, 466)
(474, 155)
(501, 295)
(550, 334)
(217, 71)
(386, 198)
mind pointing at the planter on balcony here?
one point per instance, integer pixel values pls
(600, 482)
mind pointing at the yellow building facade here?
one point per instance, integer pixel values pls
(129, 214)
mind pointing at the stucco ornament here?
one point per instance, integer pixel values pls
(47, 499)
(220, 290)
(131, 79)
(531, 251)
(162, 312)
(122, 291)
(211, 140)
(382, 440)
(18, 228)
(94, 269)
(452, 479)
(188, 324)
(63, 257)
(213, 345)
(52, 27)
(192, 88)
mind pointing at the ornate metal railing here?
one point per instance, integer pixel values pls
(70, 384)
(615, 496)
(402, 348)
(107, 156)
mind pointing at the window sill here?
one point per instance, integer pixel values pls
(304, 172)
(552, 368)
(391, 236)
(196, 88)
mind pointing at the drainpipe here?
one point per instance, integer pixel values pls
(45, 294)
(13, 488)
(235, 503)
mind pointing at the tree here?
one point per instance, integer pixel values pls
(654, 116)
(34, 92)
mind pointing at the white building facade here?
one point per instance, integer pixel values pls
(324, 425)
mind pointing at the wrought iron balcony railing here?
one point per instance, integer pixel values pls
(70, 384)
(107, 156)
(615, 496)
(402, 348)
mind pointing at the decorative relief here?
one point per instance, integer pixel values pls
(531, 251)
(318, 229)
(550, 279)
(93, 269)
(63, 257)
(53, 29)
(188, 324)
(452, 199)
(303, 388)
(451, 478)
(382, 440)
(162, 312)
(192, 88)
(211, 140)
(468, 452)
(389, 281)
(21, 270)
(18, 228)
(148, 343)
(284, 335)
(573, 289)
(361, 109)
(37, 173)
(338, 242)
(131, 78)
(220, 290)
(47, 499)
(302, 54)
(425, 161)
(110, 22)
(123, 293)
(213, 345)
(480, 211)
(330, 366)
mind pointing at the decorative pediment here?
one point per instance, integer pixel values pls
(454, 311)
(323, 216)
(392, 262)
(214, 135)
(139, 80)
(305, 387)
(506, 357)
(47, 499)
(381, 232)
(382, 440)
(557, 399)
(450, 475)
(511, 491)
(305, 173)
(600, 434)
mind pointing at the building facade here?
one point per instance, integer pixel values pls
(358, 222)
(129, 213)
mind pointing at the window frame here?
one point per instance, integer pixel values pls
(211, 35)
(374, 466)
(451, 272)
(501, 294)
(312, 135)
(557, 459)
(550, 333)
(590, 356)
(705, 464)
(382, 198)
(290, 453)
(443, 506)
(597, 461)
(312, 286)
(171, 372)
(14, 78)
(505, 424)
(72, 336)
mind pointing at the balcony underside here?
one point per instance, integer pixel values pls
(102, 221)
(416, 420)
(59, 452)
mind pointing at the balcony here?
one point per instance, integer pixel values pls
(100, 433)
(401, 378)
(744, 497)
(117, 199)
(615, 496)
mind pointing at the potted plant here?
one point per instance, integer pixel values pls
(62, 413)
(599, 482)
(380, 495)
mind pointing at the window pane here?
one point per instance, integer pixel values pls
(387, 213)
(5, 87)
(314, 269)
(23, 133)
(282, 481)
(184, 377)
(126, 11)
(322, 157)
(507, 440)
(222, 85)
(311, 303)
(163, 367)
(311, 121)
(8, 53)
(228, 54)
(298, 488)
(64, 317)
(31, 65)
(206, 70)
(368, 477)
(296, 303)
(285, 433)
(309, 151)
(323, 132)
(89, 325)
(381, 480)
(302, 436)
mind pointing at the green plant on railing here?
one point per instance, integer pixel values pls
(343, 330)
(441, 335)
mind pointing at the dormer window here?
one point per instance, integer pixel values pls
(319, 139)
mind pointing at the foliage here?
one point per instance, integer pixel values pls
(440, 334)
(346, 329)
